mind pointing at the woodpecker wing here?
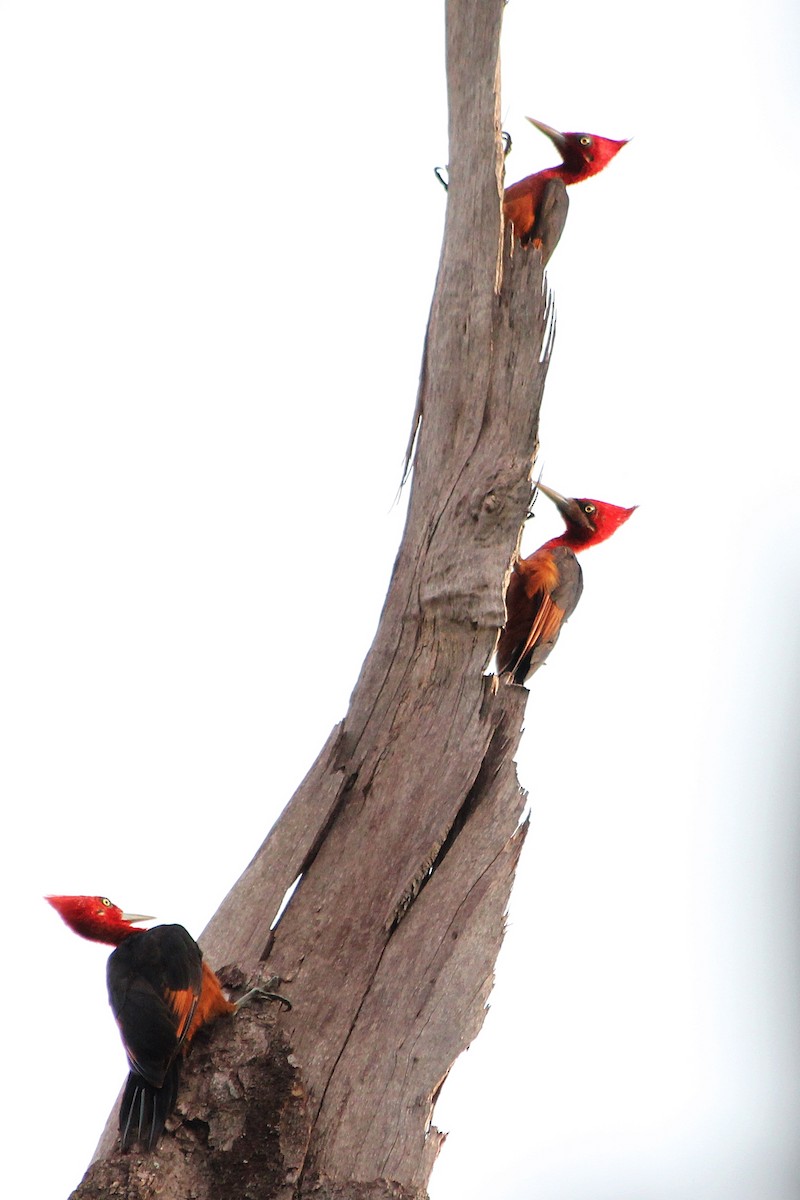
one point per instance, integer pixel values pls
(551, 217)
(154, 983)
(542, 594)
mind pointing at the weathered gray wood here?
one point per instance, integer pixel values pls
(406, 832)
(426, 1000)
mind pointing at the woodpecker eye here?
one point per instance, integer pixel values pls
(586, 140)
(589, 509)
(106, 902)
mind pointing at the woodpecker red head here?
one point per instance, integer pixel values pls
(96, 918)
(537, 205)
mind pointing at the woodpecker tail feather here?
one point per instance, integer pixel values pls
(144, 1108)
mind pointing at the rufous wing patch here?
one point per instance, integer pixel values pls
(545, 627)
(182, 1004)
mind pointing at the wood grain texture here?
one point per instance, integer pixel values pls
(406, 832)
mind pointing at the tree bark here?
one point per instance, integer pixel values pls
(404, 837)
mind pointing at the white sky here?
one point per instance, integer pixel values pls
(219, 232)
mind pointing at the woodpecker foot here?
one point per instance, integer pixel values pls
(263, 991)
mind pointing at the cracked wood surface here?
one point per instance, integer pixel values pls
(406, 832)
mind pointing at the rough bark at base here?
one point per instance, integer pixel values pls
(404, 837)
(241, 1126)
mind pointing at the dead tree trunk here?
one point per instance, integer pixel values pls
(405, 834)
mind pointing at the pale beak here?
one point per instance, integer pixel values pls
(570, 510)
(556, 137)
(556, 497)
(133, 917)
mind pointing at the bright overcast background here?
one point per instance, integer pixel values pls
(219, 233)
